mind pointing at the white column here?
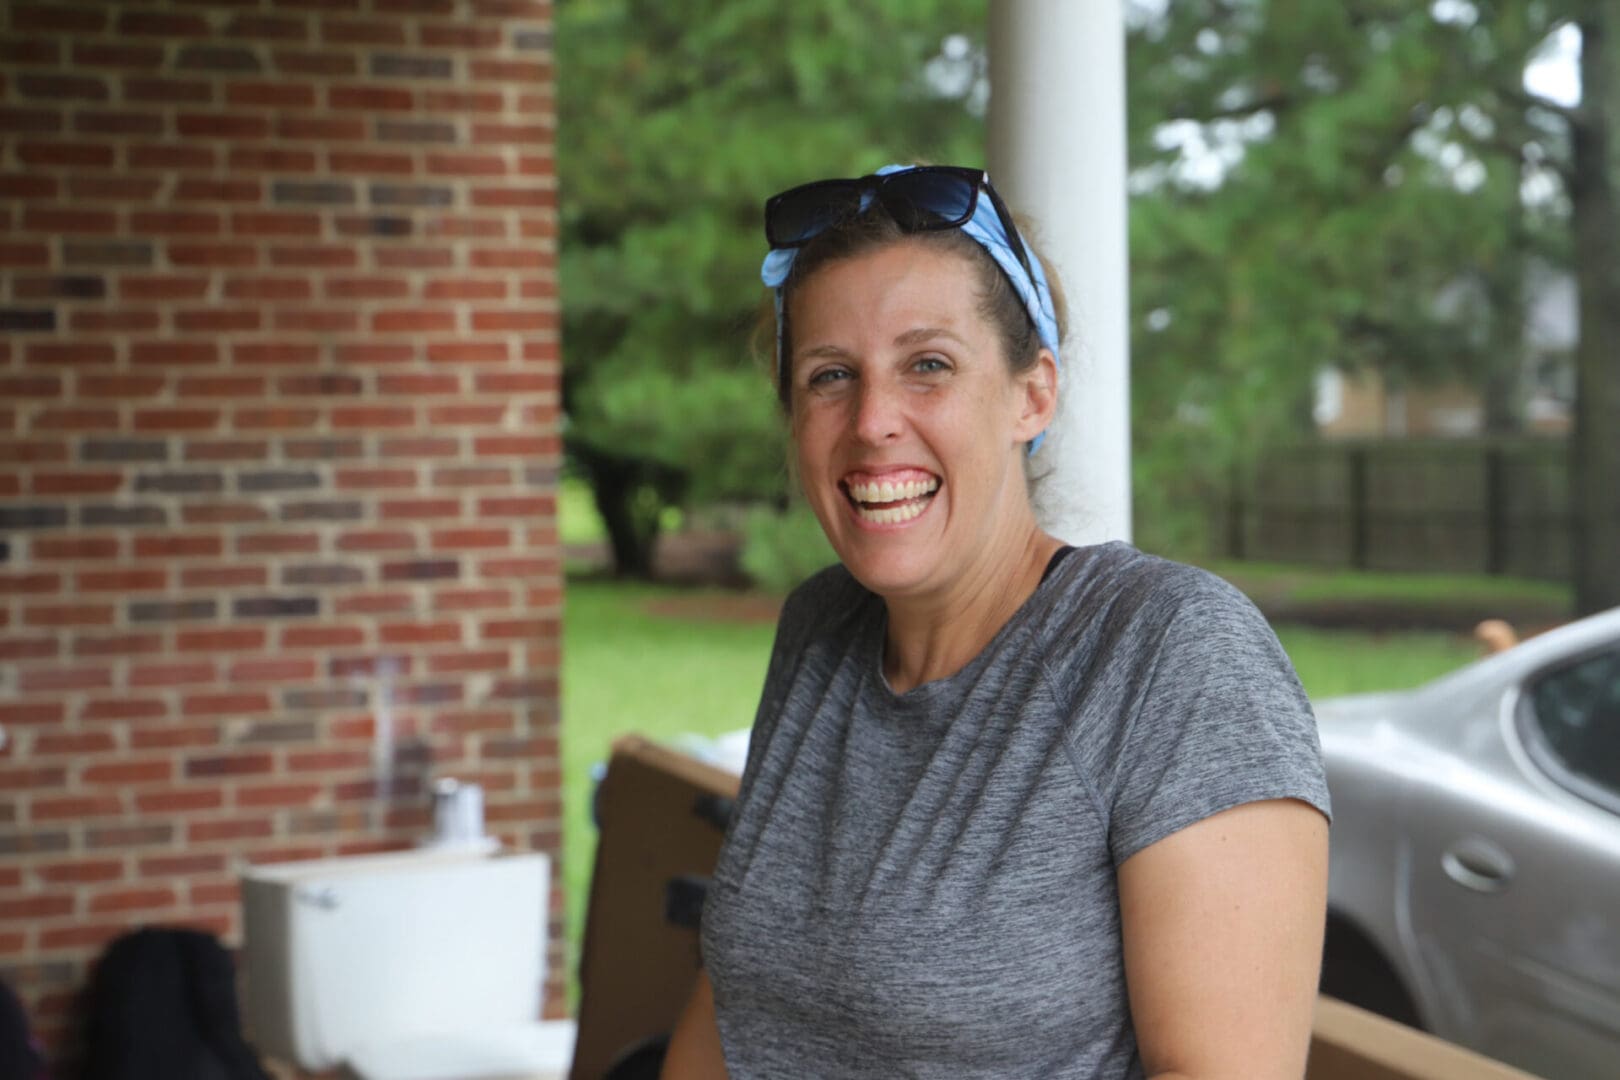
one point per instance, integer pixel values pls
(1057, 153)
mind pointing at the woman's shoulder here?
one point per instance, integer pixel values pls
(1118, 582)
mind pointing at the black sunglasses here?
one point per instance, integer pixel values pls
(920, 199)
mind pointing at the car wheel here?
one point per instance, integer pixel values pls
(1355, 970)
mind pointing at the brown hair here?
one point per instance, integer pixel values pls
(873, 230)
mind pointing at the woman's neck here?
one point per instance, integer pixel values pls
(934, 637)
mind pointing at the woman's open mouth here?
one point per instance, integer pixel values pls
(890, 499)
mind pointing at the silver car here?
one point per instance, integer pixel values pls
(1475, 887)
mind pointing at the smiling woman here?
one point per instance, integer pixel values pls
(1011, 808)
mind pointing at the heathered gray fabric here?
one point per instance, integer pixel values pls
(922, 884)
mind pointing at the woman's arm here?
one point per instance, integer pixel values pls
(1222, 925)
(694, 1047)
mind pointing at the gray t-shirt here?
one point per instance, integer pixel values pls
(923, 884)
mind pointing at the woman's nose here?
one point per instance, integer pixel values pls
(879, 416)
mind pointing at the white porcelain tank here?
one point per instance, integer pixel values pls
(346, 955)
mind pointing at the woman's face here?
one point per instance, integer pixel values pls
(909, 428)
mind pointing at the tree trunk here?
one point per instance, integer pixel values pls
(1595, 445)
(619, 489)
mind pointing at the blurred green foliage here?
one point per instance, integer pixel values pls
(783, 547)
(676, 120)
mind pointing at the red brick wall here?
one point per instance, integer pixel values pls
(278, 448)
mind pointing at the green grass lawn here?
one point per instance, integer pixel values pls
(626, 669)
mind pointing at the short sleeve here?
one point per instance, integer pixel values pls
(1216, 718)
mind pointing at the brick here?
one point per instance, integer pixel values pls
(228, 58)
(107, 253)
(411, 195)
(24, 254)
(188, 483)
(526, 506)
(42, 906)
(179, 800)
(68, 615)
(162, 287)
(88, 645)
(177, 420)
(82, 321)
(203, 893)
(265, 669)
(370, 162)
(226, 386)
(119, 122)
(222, 577)
(217, 450)
(373, 417)
(516, 445)
(223, 125)
(80, 871)
(271, 95)
(419, 384)
(412, 258)
(234, 702)
(376, 540)
(375, 354)
(325, 128)
(254, 763)
(31, 453)
(235, 256)
(171, 610)
(122, 450)
(280, 731)
(271, 159)
(274, 354)
(322, 574)
(324, 192)
(370, 98)
(161, 24)
(76, 807)
(362, 32)
(366, 288)
(224, 514)
(169, 91)
(28, 648)
(421, 570)
(76, 547)
(34, 842)
(267, 27)
(155, 770)
(43, 483)
(299, 761)
(468, 352)
(182, 673)
(122, 900)
(30, 121)
(180, 866)
(331, 698)
(202, 832)
(170, 156)
(29, 187)
(418, 509)
(116, 54)
(249, 607)
(87, 938)
(74, 420)
(418, 131)
(278, 544)
(258, 482)
(468, 415)
(75, 220)
(275, 223)
(411, 66)
(124, 578)
(225, 639)
(169, 738)
(275, 419)
(321, 637)
(470, 538)
(463, 662)
(326, 510)
(351, 225)
(121, 514)
(47, 679)
(277, 796)
(124, 707)
(318, 322)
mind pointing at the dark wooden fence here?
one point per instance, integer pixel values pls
(1472, 506)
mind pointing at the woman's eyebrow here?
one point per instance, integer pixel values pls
(927, 333)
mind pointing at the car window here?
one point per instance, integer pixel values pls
(1576, 714)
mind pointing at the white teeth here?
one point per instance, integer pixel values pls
(892, 515)
(886, 491)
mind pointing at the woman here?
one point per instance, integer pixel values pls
(1011, 809)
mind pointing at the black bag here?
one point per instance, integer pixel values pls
(162, 1006)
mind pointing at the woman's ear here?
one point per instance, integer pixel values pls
(1037, 396)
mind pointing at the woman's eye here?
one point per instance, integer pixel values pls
(828, 375)
(930, 364)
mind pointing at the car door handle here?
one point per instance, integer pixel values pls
(1478, 864)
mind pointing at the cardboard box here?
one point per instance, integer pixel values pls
(656, 816)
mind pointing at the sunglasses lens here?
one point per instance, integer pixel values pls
(929, 199)
(796, 216)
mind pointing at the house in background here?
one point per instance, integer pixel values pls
(1365, 405)
(279, 445)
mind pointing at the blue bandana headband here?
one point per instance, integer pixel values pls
(985, 228)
